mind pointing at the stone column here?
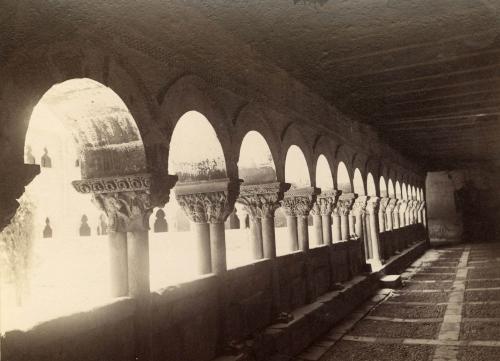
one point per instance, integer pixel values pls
(322, 213)
(420, 212)
(208, 204)
(242, 214)
(344, 207)
(260, 201)
(336, 228)
(384, 202)
(372, 210)
(402, 212)
(298, 202)
(395, 214)
(128, 201)
(358, 210)
(389, 214)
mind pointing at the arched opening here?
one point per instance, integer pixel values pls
(404, 191)
(359, 187)
(255, 166)
(418, 195)
(296, 169)
(324, 179)
(195, 155)
(398, 190)
(413, 193)
(390, 189)
(383, 187)
(78, 129)
(343, 180)
(370, 185)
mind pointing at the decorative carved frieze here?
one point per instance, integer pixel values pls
(345, 204)
(208, 201)
(325, 203)
(128, 200)
(299, 201)
(262, 200)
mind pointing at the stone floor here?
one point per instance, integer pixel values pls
(448, 309)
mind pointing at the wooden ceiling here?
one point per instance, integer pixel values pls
(425, 73)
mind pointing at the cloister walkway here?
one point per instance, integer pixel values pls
(448, 309)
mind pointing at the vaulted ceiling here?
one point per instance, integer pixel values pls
(426, 73)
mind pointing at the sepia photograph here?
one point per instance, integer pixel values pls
(249, 180)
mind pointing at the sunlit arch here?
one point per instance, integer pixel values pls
(404, 193)
(256, 164)
(343, 179)
(195, 151)
(390, 189)
(324, 179)
(370, 185)
(359, 187)
(413, 193)
(383, 187)
(398, 190)
(296, 170)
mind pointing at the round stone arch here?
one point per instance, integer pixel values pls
(191, 93)
(324, 146)
(251, 117)
(345, 155)
(293, 136)
(360, 162)
(32, 72)
(373, 167)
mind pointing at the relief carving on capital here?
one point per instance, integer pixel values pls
(262, 200)
(127, 200)
(299, 202)
(359, 207)
(207, 201)
(344, 206)
(384, 203)
(372, 206)
(325, 203)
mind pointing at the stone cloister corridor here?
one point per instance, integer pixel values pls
(249, 181)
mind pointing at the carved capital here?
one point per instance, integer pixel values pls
(421, 206)
(345, 204)
(207, 201)
(403, 204)
(326, 203)
(299, 202)
(359, 207)
(127, 200)
(384, 203)
(372, 205)
(262, 200)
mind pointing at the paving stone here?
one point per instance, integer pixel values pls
(481, 310)
(472, 353)
(487, 295)
(430, 297)
(443, 277)
(480, 331)
(442, 285)
(395, 329)
(360, 351)
(409, 311)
